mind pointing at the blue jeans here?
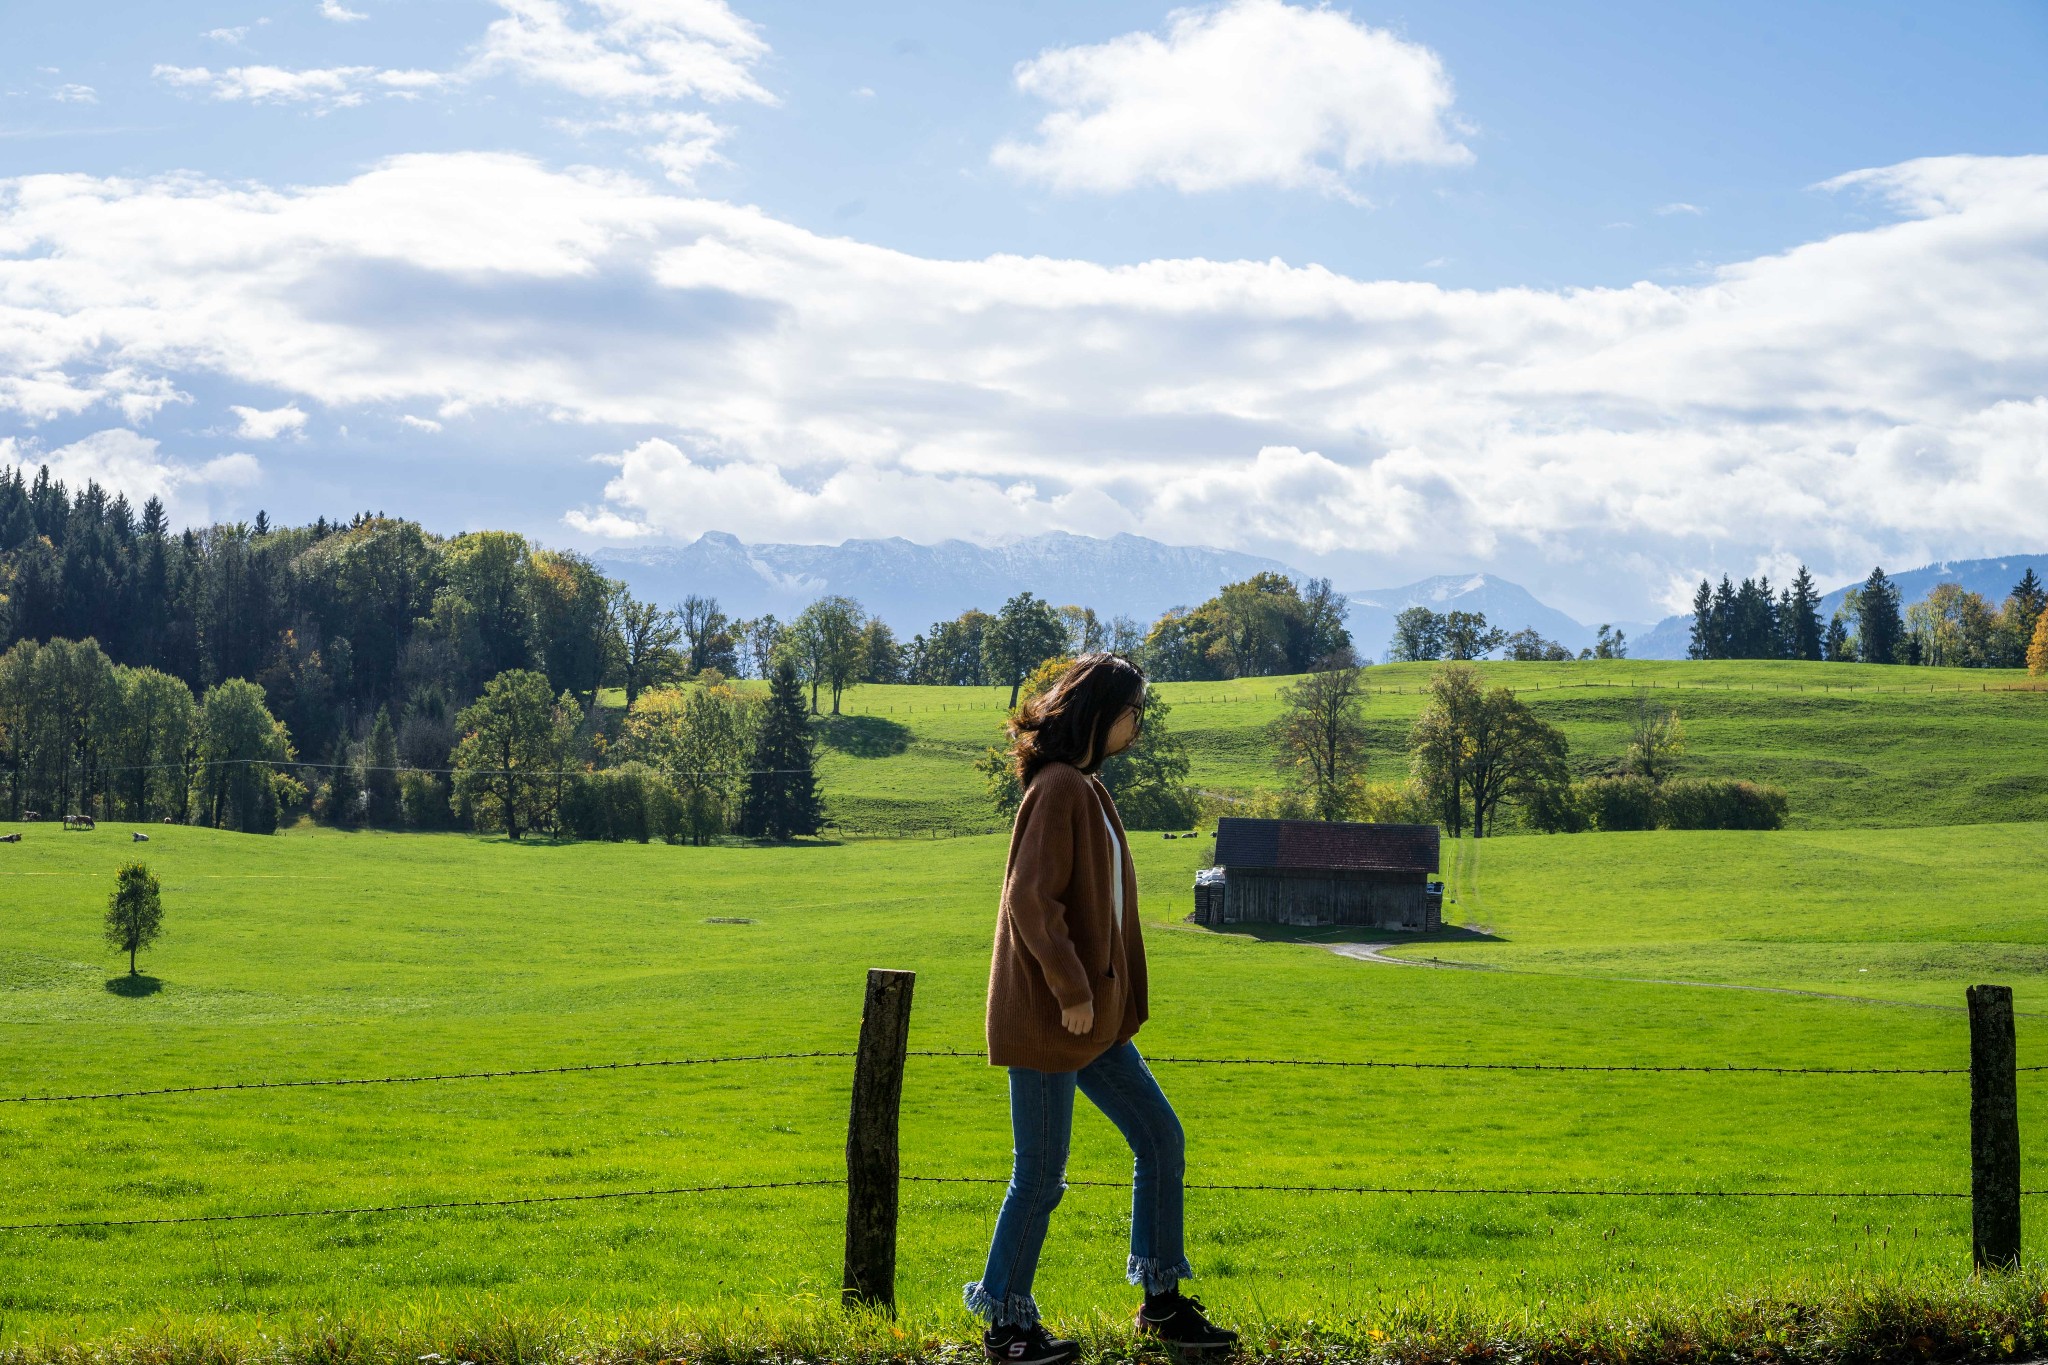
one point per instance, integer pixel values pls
(1042, 1121)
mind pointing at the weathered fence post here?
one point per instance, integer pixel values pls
(1994, 1129)
(871, 1139)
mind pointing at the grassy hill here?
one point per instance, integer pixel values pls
(1854, 746)
(1846, 941)
(319, 954)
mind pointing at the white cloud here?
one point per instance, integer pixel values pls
(332, 87)
(643, 54)
(640, 50)
(426, 424)
(122, 461)
(683, 142)
(258, 425)
(340, 13)
(75, 94)
(1881, 393)
(1250, 92)
(231, 36)
(1668, 209)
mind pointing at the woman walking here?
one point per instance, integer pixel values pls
(1066, 994)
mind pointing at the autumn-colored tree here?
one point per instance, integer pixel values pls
(2037, 650)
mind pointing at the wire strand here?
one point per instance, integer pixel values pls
(568, 1069)
(1425, 1189)
(1533, 1066)
(413, 1208)
(412, 1080)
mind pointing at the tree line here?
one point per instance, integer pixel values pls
(1422, 635)
(1952, 627)
(1476, 756)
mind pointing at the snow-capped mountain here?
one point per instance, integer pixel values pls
(1504, 604)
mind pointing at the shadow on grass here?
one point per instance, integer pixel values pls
(863, 736)
(133, 987)
(1352, 933)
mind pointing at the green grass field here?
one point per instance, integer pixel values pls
(319, 954)
(1853, 746)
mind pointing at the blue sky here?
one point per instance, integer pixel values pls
(1575, 293)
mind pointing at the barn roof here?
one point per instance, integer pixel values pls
(1242, 842)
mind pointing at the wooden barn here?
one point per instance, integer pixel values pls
(1313, 872)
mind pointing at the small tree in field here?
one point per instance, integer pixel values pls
(2037, 650)
(1656, 740)
(135, 912)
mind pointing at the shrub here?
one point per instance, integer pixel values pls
(1558, 808)
(1394, 803)
(423, 801)
(1618, 803)
(1720, 803)
(629, 802)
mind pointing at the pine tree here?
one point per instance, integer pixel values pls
(2030, 591)
(1879, 627)
(343, 789)
(782, 799)
(1836, 648)
(1723, 617)
(1801, 621)
(380, 771)
(1702, 646)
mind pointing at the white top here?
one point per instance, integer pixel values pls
(1116, 870)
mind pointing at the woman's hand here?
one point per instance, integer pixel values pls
(1078, 1018)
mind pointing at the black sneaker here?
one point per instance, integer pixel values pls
(1176, 1320)
(1028, 1346)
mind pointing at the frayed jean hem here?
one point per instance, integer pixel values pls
(1156, 1275)
(1012, 1310)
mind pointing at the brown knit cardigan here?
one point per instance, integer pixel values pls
(1057, 940)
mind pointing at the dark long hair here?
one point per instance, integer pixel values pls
(1071, 720)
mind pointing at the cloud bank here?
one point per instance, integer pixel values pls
(1877, 393)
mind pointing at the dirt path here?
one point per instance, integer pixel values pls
(1376, 952)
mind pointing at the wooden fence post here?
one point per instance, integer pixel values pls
(871, 1139)
(1994, 1129)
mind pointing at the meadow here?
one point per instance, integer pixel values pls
(1844, 941)
(1853, 746)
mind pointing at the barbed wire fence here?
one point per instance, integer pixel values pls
(873, 1176)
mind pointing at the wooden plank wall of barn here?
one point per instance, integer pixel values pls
(1385, 900)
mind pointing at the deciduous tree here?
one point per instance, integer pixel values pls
(240, 747)
(514, 749)
(1656, 740)
(1418, 636)
(1023, 635)
(1320, 738)
(135, 911)
(644, 639)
